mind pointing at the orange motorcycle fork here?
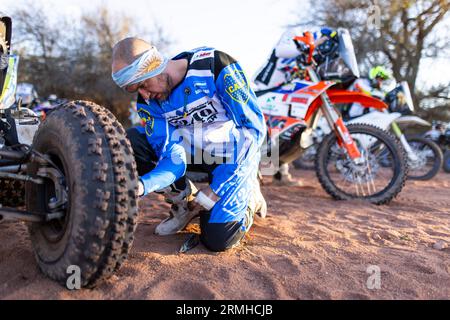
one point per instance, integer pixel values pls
(345, 139)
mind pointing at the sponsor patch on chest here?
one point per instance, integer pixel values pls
(202, 55)
(204, 113)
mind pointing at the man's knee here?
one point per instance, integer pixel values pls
(220, 236)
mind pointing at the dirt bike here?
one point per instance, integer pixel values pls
(44, 108)
(440, 134)
(423, 155)
(76, 175)
(347, 163)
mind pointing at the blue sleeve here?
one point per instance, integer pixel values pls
(238, 98)
(241, 105)
(172, 158)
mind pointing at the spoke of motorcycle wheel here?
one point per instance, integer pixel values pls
(345, 180)
(361, 186)
(369, 169)
(361, 183)
(347, 183)
(355, 179)
(370, 181)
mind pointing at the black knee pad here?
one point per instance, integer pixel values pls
(219, 236)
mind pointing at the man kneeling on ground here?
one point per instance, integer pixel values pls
(201, 96)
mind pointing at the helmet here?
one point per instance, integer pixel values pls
(329, 32)
(379, 72)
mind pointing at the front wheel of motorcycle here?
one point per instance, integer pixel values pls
(428, 160)
(377, 177)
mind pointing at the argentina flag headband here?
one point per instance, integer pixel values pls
(148, 65)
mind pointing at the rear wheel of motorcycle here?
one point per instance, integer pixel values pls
(12, 193)
(446, 165)
(419, 144)
(399, 165)
(90, 147)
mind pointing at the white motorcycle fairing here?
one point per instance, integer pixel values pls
(412, 120)
(376, 118)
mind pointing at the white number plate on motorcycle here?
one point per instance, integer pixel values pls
(300, 105)
(275, 109)
(299, 110)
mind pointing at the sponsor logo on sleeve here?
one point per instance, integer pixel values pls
(148, 119)
(201, 87)
(236, 86)
(202, 55)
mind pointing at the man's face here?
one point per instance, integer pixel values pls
(379, 82)
(158, 87)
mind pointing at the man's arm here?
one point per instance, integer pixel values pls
(171, 163)
(239, 100)
(241, 105)
(169, 169)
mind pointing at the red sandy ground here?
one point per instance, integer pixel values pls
(309, 247)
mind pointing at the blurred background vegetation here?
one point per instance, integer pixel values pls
(399, 34)
(71, 57)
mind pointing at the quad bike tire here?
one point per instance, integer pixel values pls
(399, 157)
(437, 159)
(90, 147)
(12, 193)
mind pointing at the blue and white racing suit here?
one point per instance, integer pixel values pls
(211, 113)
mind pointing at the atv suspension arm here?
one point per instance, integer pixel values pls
(13, 214)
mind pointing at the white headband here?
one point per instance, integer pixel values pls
(149, 64)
